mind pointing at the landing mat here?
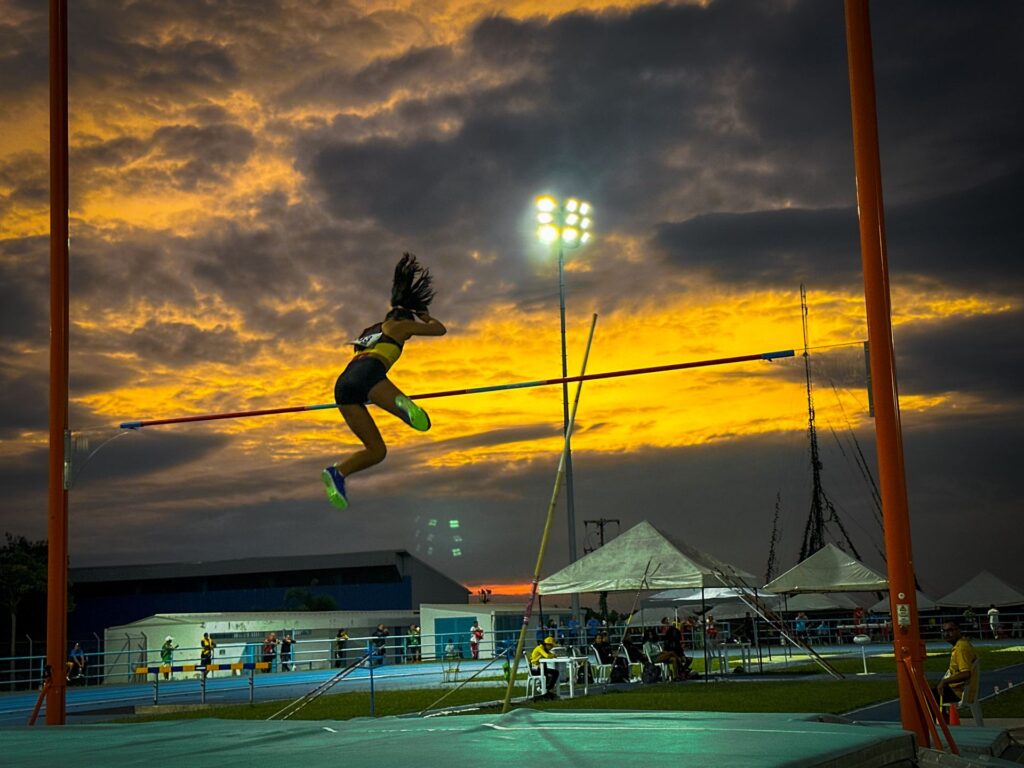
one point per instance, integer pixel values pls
(581, 739)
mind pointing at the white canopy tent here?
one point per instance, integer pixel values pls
(924, 603)
(983, 590)
(711, 595)
(810, 601)
(642, 558)
(829, 570)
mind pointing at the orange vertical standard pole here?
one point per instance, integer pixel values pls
(902, 596)
(57, 528)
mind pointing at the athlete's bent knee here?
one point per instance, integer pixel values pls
(377, 454)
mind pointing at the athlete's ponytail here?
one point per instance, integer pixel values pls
(412, 286)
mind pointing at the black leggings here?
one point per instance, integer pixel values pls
(359, 377)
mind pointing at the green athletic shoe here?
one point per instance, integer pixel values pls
(415, 416)
(334, 482)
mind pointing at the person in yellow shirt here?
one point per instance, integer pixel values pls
(543, 651)
(959, 678)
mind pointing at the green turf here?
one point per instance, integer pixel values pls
(1009, 703)
(935, 663)
(736, 695)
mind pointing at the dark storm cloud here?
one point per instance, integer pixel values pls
(949, 106)
(416, 70)
(180, 156)
(762, 104)
(969, 239)
(766, 247)
(141, 455)
(622, 88)
(494, 437)
(23, 61)
(24, 289)
(24, 405)
(182, 344)
(112, 45)
(25, 181)
(981, 355)
(124, 467)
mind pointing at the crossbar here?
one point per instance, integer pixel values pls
(471, 391)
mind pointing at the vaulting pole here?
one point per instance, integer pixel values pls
(57, 526)
(902, 595)
(473, 391)
(559, 475)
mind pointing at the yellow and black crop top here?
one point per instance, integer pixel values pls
(373, 341)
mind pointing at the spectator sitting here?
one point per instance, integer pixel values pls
(656, 654)
(76, 664)
(451, 651)
(634, 654)
(672, 645)
(603, 648)
(543, 651)
(959, 677)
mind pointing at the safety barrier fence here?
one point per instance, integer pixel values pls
(122, 665)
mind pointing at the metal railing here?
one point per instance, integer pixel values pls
(119, 665)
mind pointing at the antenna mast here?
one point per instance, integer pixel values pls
(822, 510)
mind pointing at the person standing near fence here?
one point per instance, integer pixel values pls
(167, 655)
(380, 644)
(206, 646)
(993, 620)
(286, 652)
(413, 642)
(340, 641)
(476, 634)
(269, 650)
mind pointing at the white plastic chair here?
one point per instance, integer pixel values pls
(974, 705)
(636, 669)
(601, 671)
(536, 683)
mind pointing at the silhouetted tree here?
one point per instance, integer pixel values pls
(22, 573)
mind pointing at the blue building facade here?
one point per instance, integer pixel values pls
(372, 581)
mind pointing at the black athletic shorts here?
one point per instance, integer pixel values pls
(359, 377)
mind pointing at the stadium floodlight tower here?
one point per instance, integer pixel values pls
(565, 224)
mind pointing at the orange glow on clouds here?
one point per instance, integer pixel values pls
(508, 345)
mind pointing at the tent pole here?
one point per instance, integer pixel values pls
(757, 641)
(704, 634)
(540, 611)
